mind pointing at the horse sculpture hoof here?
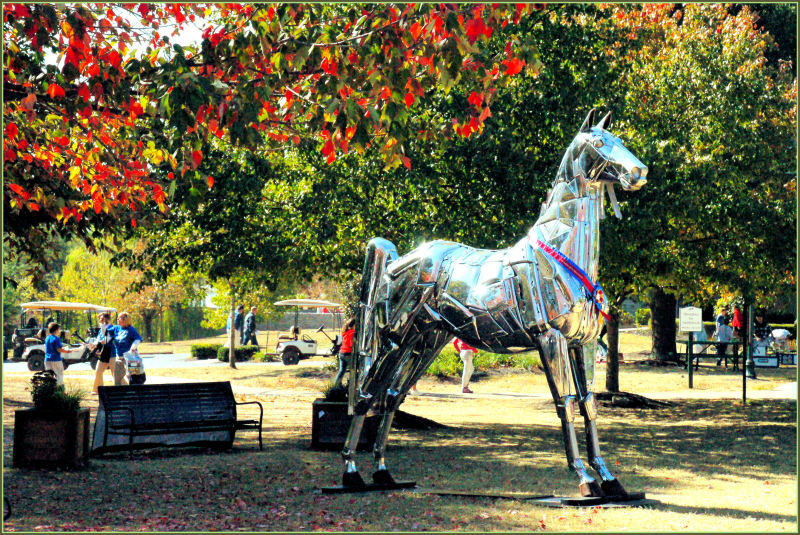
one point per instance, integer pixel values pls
(591, 489)
(616, 492)
(383, 477)
(353, 480)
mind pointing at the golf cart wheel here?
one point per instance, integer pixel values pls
(291, 356)
(36, 362)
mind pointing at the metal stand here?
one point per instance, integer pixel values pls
(369, 487)
(751, 365)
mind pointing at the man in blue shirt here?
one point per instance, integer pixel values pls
(126, 338)
(52, 352)
(249, 333)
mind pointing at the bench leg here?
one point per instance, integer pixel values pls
(260, 447)
(130, 445)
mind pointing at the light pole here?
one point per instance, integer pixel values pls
(748, 343)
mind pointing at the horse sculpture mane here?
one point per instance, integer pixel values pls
(541, 293)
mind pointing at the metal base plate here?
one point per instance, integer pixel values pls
(492, 495)
(591, 501)
(369, 487)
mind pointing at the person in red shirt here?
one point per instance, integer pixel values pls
(467, 353)
(738, 322)
(346, 350)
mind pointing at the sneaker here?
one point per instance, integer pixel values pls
(466, 390)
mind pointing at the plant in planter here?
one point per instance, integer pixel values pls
(330, 421)
(55, 432)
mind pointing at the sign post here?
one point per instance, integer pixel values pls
(690, 319)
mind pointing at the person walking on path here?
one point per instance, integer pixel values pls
(738, 322)
(104, 346)
(346, 350)
(52, 352)
(238, 322)
(467, 353)
(126, 338)
(249, 332)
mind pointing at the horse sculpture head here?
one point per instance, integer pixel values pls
(604, 158)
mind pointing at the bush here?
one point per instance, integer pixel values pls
(642, 316)
(263, 356)
(205, 351)
(445, 364)
(448, 363)
(626, 318)
(242, 353)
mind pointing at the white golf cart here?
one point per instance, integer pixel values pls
(30, 337)
(294, 346)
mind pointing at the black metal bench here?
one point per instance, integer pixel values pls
(177, 414)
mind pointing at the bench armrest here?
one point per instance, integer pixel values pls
(260, 408)
(130, 411)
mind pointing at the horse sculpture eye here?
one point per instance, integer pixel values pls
(598, 143)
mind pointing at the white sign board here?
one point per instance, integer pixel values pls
(690, 319)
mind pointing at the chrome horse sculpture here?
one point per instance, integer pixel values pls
(541, 293)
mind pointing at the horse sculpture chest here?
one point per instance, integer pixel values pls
(540, 293)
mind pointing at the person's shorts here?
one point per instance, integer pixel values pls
(105, 355)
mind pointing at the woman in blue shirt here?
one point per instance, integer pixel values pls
(126, 338)
(52, 352)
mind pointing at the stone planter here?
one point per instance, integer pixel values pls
(48, 440)
(330, 424)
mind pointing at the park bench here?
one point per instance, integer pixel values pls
(176, 414)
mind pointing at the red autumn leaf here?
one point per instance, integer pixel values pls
(406, 161)
(210, 182)
(114, 58)
(83, 92)
(63, 141)
(133, 222)
(19, 190)
(144, 9)
(409, 98)
(415, 30)
(513, 66)
(386, 93)
(197, 157)
(33, 207)
(352, 58)
(474, 28)
(11, 131)
(328, 149)
(475, 99)
(55, 91)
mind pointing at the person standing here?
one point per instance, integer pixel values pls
(723, 333)
(738, 322)
(52, 352)
(238, 322)
(249, 332)
(104, 346)
(467, 353)
(126, 338)
(346, 350)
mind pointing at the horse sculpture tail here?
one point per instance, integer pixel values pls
(379, 253)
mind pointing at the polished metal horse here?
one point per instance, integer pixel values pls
(539, 294)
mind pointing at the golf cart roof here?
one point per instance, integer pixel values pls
(64, 305)
(307, 303)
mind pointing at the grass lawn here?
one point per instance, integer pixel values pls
(713, 465)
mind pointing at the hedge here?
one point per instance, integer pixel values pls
(448, 363)
(242, 353)
(205, 351)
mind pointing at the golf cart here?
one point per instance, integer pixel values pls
(29, 338)
(294, 347)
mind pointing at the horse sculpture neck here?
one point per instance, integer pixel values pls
(570, 217)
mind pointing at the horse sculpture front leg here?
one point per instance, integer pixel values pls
(559, 371)
(588, 406)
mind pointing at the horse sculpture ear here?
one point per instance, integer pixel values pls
(605, 122)
(587, 123)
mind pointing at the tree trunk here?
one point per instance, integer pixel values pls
(232, 333)
(148, 326)
(662, 309)
(612, 358)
